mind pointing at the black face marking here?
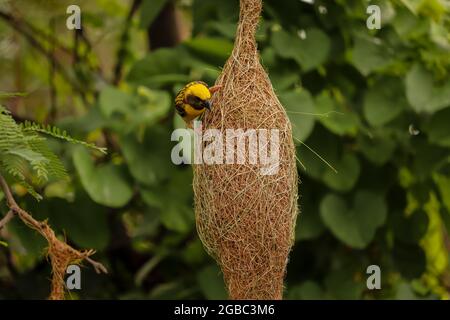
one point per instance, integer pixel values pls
(195, 102)
(180, 110)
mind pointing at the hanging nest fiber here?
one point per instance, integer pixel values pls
(245, 219)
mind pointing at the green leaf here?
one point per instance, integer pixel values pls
(194, 254)
(384, 102)
(226, 29)
(420, 287)
(388, 11)
(82, 220)
(406, 23)
(113, 100)
(378, 149)
(335, 119)
(428, 158)
(409, 259)
(283, 81)
(315, 49)
(326, 145)
(29, 155)
(439, 35)
(81, 125)
(211, 283)
(4, 95)
(214, 50)
(308, 290)
(204, 11)
(412, 5)
(433, 9)
(54, 132)
(341, 285)
(149, 10)
(309, 225)
(341, 221)
(419, 87)
(348, 170)
(443, 182)
(148, 160)
(354, 226)
(438, 128)
(309, 53)
(177, 217)
(369, 55)
(154, 106)
(422, 95)
(27, 245)
(410, 229)
(299, 107)
(105, 184)
(405, 292)
(174, 215)
(126, 112)
(160, 67)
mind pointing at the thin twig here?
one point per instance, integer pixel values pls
(8, 194)
(98, 267)
(30, 221)
(6, 219)
(61, 47)
(51, 76)
(19, 27)
(122, 51)
(36, 31)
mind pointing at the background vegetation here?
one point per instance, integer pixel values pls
(113, 82)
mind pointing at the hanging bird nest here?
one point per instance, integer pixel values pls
(246, 219)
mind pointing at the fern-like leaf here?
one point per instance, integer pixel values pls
(24, 154)
(55, 167)
(12, 94)
(16, 168)
(55, 132)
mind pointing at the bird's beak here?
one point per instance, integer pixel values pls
(207, 104)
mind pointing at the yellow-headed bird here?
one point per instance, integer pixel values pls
(193, 100)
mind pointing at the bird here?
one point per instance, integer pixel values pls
(194, 99)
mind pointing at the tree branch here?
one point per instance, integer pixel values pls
(31, 29)
(10, 201)
(122, 51)
(98, 267)
(51, 76)
(57, 248)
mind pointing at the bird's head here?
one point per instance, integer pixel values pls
(198, 96)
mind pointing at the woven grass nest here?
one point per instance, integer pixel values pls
(246, 220)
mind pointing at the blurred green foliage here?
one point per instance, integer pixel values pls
(375, 104)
